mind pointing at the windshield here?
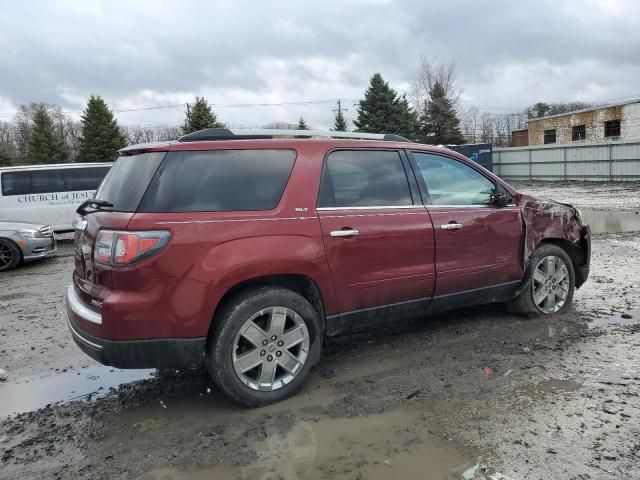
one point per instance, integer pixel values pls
(128, 179)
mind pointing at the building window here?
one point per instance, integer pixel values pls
(550, 136)
(578, 132)
(612, 128)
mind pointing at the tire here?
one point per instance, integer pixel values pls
(10, 255)
(529, 302)
(230, 352)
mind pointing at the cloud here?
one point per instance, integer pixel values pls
(136, 54)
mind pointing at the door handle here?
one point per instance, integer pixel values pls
(344, 233)
(451, 226)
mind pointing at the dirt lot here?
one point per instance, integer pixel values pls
(476, 393)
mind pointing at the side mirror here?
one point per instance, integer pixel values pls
(498, 199)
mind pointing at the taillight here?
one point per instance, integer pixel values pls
(125, 248)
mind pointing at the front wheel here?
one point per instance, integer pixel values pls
(9, 255)
(263, 345)
(549, 283)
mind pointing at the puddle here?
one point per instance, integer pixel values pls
(32, 393)
(553, 385)
(617, 319)
(611, 222)
(390, 445)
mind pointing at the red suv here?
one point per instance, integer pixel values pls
(242, 251)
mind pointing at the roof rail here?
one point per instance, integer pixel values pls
(209, 134)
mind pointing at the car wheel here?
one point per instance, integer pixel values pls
(9, 255)
(550, 283)
(263, 345)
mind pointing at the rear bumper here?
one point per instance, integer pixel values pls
(151, 353)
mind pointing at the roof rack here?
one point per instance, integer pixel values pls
(209, 134)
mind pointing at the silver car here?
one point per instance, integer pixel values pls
(24, 241)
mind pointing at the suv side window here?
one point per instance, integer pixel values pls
(450, 182)
(364, 178)
(219, 181)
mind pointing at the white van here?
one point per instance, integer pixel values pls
(48, 194)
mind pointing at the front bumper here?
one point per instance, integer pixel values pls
(36, 248)
(140, 353)
(582, 269)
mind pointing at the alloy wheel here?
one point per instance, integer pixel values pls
(550, 284)
(271, 348)
(6, 255)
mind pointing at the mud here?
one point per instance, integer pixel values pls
(476, 393)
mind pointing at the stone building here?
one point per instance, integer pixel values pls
(606, 123)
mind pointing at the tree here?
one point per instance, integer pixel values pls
(302, 124)
(542, 109)
(200, 116)
(101, 138)
(431, 73)
(339, 124)
(378, 111)
(439, 123)
(407, 120)
(5, 159)
(44, 144)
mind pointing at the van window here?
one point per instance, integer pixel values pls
(16, 183)
(364, 178)
(219, 180)
(27, 182)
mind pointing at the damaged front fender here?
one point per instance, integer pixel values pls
(559, 223)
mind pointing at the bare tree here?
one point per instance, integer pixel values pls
(470, 124)
(281, 125)
(429, 74)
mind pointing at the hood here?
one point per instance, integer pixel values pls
(548, 206)
(16, 225)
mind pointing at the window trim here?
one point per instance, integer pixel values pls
(425, 191)
(414, 190)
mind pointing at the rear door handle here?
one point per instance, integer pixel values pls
(451, 226)
(344, 233)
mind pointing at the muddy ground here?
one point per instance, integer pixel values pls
(476, 393)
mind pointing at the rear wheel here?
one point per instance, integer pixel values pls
(263, 345)
(550, 283)
(9, 255)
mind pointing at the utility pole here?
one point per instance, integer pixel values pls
(339, 115)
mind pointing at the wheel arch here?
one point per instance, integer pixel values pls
(575, 254)
(299, 283)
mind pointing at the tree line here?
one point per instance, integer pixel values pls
(429, 113)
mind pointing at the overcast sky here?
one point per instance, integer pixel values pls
(139, 54)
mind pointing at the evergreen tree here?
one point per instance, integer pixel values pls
(200, 116)
(439, 124)
(379, 110)
(5, 159)
(407, 120)
(302, 125)
(101, 138)
(340, 124)
(44, 144)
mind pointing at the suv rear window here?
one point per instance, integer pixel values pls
(219, 180)
(127, 180)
